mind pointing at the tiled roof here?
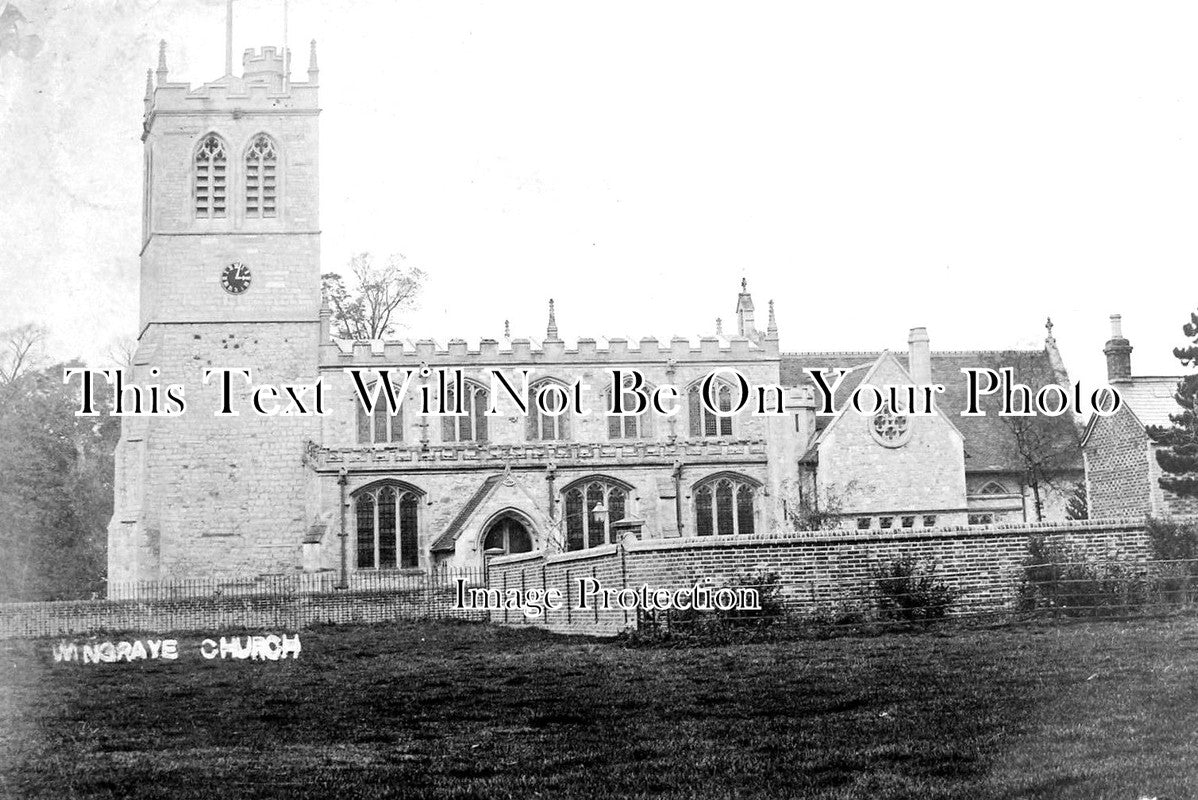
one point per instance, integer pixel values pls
(989, 443)
(448, 540)
(1150, 398)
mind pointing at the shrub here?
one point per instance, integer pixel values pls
(1059, 578)
(1174, 546)
(908, 592)
(1171, 540)
(706, 627)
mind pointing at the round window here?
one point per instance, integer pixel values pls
(890, 428)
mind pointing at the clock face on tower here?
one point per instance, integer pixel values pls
(235, 278)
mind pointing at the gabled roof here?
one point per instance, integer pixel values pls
(858, 375)
(988, 439)
(1149, 399)
(448, 540)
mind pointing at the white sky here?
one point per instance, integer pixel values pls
(870, 166)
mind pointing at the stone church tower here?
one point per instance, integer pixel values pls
(230, 278)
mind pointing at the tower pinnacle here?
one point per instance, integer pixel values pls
(551, 331)
(162, 71)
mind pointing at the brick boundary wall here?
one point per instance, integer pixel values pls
(820, 573)
(278, 612)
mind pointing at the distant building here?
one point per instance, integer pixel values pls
(1122, 475)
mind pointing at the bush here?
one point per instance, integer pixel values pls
(1059, 578)
(908, 592)
(707, 627)
(1174, 546)
(1172, 541)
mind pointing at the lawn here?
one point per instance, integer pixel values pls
(1083, 710)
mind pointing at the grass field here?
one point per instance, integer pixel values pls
(1094, 710)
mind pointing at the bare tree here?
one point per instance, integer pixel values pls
(22, 349)
(1047, 449)
(120, 352)
(367, 309)
(809, 509)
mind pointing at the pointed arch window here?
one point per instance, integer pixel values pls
(703, 421)
(210, 191)
(637, 426)
(381, 426)
(261, 178)
(387, 528)
(584, 527)
(725, 505)
(993, 487)
(473, 426)
(548, 427)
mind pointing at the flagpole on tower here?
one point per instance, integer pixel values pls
(229, 37)
(286, 56)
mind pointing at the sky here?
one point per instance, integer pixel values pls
(869, 166)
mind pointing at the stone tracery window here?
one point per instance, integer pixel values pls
(211, 178)
(387, 527)
(703, 422)
(637, 426)
(547, 427)
(261, 178)
(890, 428)
(473, 426)
(993, 487)
(585, 528)
(380, 427)
(725, 506)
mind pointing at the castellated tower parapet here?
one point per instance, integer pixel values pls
(265, 84)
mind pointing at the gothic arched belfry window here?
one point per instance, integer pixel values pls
(261, 178)
(211, 178)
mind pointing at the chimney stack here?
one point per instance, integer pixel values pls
(1118, 352)
(919, 356)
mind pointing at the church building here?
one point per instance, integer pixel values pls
(230, 278)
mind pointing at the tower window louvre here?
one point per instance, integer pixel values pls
(210, 185)
(261, 191)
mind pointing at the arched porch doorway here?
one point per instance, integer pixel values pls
(509, 533)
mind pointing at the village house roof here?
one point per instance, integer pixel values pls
(1150, 398)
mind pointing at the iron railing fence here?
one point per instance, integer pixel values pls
(319, 583)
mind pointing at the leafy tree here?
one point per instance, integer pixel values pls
(1177, 453)
(56, 496)
(366, 308)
